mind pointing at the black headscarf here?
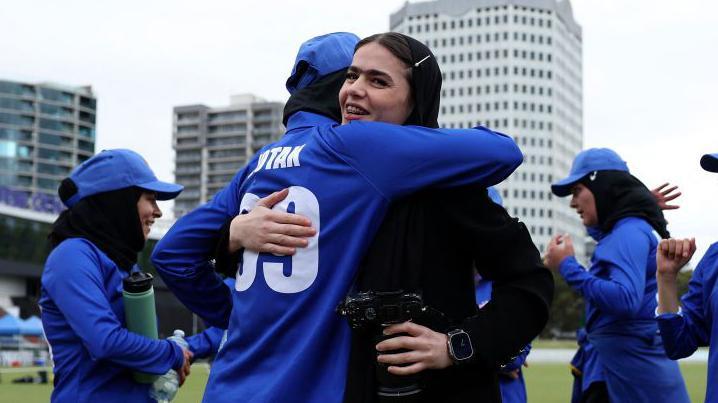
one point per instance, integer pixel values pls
(403, 226)
(618, 195)
(425, 85)
(109, 220)
(321, 97)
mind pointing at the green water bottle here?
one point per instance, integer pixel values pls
(140, 314)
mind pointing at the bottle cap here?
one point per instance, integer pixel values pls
(137, 282)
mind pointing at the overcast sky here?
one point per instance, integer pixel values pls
(650, 66)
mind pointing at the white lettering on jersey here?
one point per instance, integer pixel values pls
(279, 157)
(281, 160)
(262, 159)
(272, 154)
(293, 159)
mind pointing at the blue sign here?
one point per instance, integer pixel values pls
(40, 202)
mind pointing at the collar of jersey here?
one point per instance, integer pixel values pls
(303, 119)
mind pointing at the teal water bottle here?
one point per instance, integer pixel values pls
(140, 313)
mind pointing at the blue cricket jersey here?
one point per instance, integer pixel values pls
(697, 325)
(285, 342)
(208, 342)
(620, 294)
(83, 318)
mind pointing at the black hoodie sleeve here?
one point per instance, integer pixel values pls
(503, 251)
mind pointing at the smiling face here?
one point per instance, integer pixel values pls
(585, 204)
(148, 211)
(376, 87)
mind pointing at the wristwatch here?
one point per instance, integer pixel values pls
(459, 343)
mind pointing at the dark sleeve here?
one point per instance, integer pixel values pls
(503, 252)
(226, 263)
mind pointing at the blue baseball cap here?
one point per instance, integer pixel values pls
(587, 161)
(320, 56)
(117, 169)
(709, 162)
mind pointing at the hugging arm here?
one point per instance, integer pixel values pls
(522, 287)
(183, 256)
(399, 160)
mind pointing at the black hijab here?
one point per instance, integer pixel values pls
(322, 97)
(109, 220)
(425, 85)
(391, 259)
(618, 195)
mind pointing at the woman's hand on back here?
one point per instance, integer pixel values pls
(266, 230)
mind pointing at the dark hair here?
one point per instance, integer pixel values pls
(394, 43)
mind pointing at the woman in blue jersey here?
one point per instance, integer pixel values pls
(693, 321)
(111, 200)
(619, 288)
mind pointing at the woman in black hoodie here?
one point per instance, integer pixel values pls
(430, 244)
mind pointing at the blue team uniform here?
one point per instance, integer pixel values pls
(585, 363)
(619, 290)
(285, 342)
(696, 325)
(208, 342)
(83, 317)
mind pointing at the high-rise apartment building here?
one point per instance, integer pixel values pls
(514, 66)
(212, 144)
(45, 130)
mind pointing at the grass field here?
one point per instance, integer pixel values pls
(546, 383)
(549, 383)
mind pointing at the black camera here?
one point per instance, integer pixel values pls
(372, 311)
(370, 308)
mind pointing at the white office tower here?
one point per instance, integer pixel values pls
(513, 66)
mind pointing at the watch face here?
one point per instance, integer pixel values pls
(461, 346)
